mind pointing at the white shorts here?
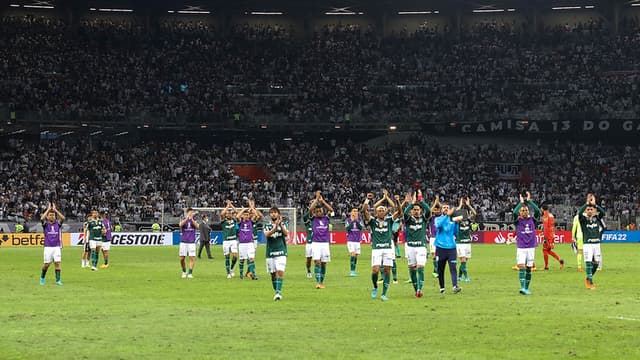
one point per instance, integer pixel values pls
(52, 254)
(464, 250)
(432, 245)
(320, 251)
(247, 251)
(308, 250)
(278, 263)
(106, 245)
(353, 247)
(93, 244)
(526, 256)
(416, 255)
(229, 247)
(382, 257)
(591, 252)
(187, 249)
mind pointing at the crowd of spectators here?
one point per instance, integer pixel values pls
(195, 72)
(135, 183)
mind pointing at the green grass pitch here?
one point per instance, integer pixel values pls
(140, 308)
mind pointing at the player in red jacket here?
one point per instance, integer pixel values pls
(548, 230)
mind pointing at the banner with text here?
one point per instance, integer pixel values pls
(621, 236)
(337, 237)
(515, 126)
(500, 237)
(215, 238)
(27, 239)
(131, 239)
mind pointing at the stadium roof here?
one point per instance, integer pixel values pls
(320, 7)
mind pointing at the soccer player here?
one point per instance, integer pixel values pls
(382, 252)
(230, 242)
(431, 233)
(396, 229)
(96, 233)
(276, 233)
(549, 232)
(577, 244)
(86, 249)
(188, 242)
(52, 241)
(354, 227)
(526, 239)
(396, 234)
(590, 216)
(308, 248)
(463, 238)
(446, 227)
(321, 252)
(247, 219)
(205, 237)
(416, 220)
(106, 240)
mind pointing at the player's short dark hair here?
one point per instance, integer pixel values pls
(590, 206)
(545, 207)
(275, 208)
(189, 209)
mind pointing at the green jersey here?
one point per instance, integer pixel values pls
(276, 243)
(308, 225)
(416, 228)
(229, 229)
(381, 233)
(592, 228)
(464, 231)
(95, 228)
(257, 227)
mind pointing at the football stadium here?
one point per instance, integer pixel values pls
(319, 179)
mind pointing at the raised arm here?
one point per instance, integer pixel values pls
(436, 201)
(257, 214)
(516, 210)
(314, 203)
(425, 207)
(365, 208)
(472, 211)
(388, 198)
(536, 209)
(61, 217)
(228, 207)
(326, 205)
(43, 217)
(407, 204)
(601, 211)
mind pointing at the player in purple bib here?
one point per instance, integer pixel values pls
(188, 228)
(321, 253)
(106, 240)
(247, 219)
(354, 227)
(52, 241)
(526, 239)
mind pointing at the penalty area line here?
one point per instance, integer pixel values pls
(623, 318)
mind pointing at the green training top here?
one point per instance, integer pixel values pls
(276, 243)
(95, 229)
(229, 229)
(381, 233)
